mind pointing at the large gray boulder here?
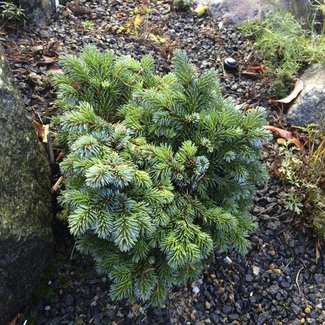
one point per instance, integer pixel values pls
(309, 107)
(236, 12)
(37, 10)
(26, 239)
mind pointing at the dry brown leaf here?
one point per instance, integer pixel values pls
(76, 85)
(60, 156)
(39, 129)
(42, 131)
(251, 74)
(57, 184)
(282, 133)
(260, 68)
(49, 59)
(255, 68)
(55, 68)
(299, 85)
(16, 319)
(37, 48)
(286, 135)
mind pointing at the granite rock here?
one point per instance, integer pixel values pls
(237, 12)
(309, 107)
(26, 239)
(37, 10)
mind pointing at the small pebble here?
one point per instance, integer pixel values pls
(256, 270)
(227, 260)
(196, 289)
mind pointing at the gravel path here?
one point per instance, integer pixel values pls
(280, 281)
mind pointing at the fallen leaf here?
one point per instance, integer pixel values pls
(282, 133)
(37, 48)
(46, 133)
(42, 131)
(298, 144)
(299, 85)
(55, 68)
(251, 74)
(60, 156)
(16, 319)
(286, 135)
(76, 85)
(49, 59)
(57, 184)
(256, 68)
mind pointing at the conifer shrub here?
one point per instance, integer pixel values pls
(159, 171)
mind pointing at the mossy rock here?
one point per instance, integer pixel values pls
(26, 239)
(37, 10)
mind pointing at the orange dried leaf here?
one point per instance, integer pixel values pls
(286, 135)
(299, 85)
(298, 144)
(282, 133)
(256, 68)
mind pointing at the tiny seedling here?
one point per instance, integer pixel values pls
(88, 24)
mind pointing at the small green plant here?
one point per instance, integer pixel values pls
(286, 46)
(305, 175)
(182, 4)
(88, 24)
(11, 14)
(160, 171)
(142, 10)
(132, 26)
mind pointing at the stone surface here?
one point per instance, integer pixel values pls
(236, 12)
(309, 107)
(37, 10)
(26, 240)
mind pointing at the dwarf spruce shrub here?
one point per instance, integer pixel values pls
(159, 171)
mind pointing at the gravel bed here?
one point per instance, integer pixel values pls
(280, 281)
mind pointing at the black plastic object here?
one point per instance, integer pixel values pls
(230, 64)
